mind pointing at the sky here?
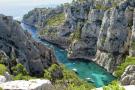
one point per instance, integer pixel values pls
(17, 8)
(33, 1)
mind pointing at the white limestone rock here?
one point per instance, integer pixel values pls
(128, 77)
(2, 79)
(35, 84)
(115, 35)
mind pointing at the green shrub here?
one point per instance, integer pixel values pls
(101, 7)
(2, 59)
(114, 86)
(22, 77)
(103, 40)
(76, 35)
(2, 69)
(43, 32)
(1, 88)
(129, 61)
(133, 45)
(19, 69)
(70, 80)
(56, 20)
(48, 72)
(75, 87)
(20, 73)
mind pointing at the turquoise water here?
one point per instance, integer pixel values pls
(85, 69)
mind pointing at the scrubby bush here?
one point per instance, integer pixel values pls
(50, 73)
(20, 73)
(56, 20)
(76, 35)
(133, 45)
(101, 7)
(69, 81)
(2, 60)
(129, 61)
(81, 87)
(1, 88)
(19, 69)
(103, 40)
(2, 69)
(114, 86)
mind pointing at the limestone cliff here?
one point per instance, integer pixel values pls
(21, 48)
(115, 35)
(100, 29)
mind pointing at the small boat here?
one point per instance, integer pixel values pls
(75, 70)
(89, 80)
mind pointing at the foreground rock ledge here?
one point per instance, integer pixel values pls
(35, 84)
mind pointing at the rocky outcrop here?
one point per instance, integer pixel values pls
(35, 84)
(115, 35)
(21, 48)
(2, 79)
(128, 77)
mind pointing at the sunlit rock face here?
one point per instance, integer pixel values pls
(132, 44)
(115, 35)
(128, 77)
(85, 47)
(2, 79)
(35, 84)
(21, 48)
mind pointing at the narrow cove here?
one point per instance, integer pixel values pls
(85, 69)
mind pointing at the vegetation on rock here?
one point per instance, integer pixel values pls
(69, 80)
(101, 7)
(114, 86)
(56, 20)
(44, 32)
(20, 73)
(3, 69)
(1, 88)
(121, 68)
(133, 45)
(77, 34)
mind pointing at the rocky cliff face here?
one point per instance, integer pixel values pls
(21, 48)
(115, 35)
(128, 77)
(132, 43)
(99, 28)
(85, 46)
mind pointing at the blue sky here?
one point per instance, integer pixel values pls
(17, 8)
